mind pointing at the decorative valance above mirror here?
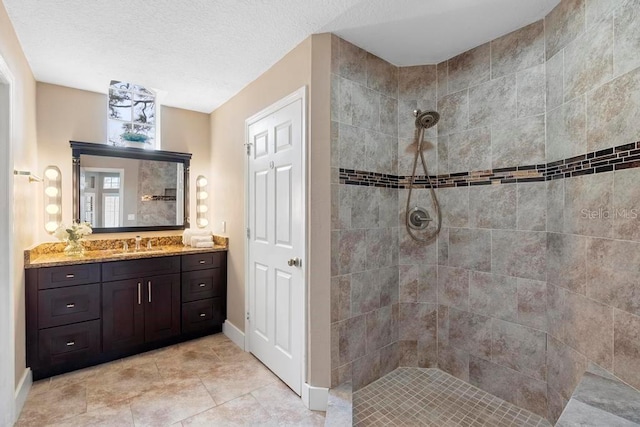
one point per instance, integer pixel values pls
(130, 189)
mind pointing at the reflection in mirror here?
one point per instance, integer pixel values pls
(130, 189)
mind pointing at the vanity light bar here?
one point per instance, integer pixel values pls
(201, 202)
(52, 198)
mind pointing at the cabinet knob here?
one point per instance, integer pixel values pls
(70, 276)
(202, 285)
(203, 261)
(203, 315)
(71, 305)
(70, 343)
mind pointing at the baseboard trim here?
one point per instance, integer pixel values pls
(22, 391)
(233, 333)
(315, 398)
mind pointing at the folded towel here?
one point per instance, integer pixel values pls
(190, 232)
(203, 245)
(198, 239)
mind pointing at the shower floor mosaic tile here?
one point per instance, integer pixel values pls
(431, 397)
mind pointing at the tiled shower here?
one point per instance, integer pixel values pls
(536, 273)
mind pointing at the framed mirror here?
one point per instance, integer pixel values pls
(130, 189)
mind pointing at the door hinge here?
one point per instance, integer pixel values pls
(248, 233)
(248, 147)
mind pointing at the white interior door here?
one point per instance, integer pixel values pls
(276, 237)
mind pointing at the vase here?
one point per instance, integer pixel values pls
(74, 248)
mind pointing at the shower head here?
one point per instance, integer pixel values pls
(426, 119)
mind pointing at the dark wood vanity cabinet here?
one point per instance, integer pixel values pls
(85, 314)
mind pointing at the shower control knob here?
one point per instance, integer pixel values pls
(295, 262)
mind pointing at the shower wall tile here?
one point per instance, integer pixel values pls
(626, 202)
(588, 60)
(470, 332)
(443, 154)
(588, 202)
(518, 142)
(493, 206)
(555, 311)
(366, 370)
(428, 284)
(555, 206)
(493, 295)
(627, 36)
(612, 111)
(532, 395)
(563, 24)
(532, 206)
(596, 10)
(408, 353)
(382, 76)
(406, 119)
(443, 247)
(389, 286)
(352, 250)
(454, 206)
(414, 252)
(454, 113)
(428, 351)
(495, 379)
(493, 102)
(417, 321)
(453, 287)
(352, 62)
(519, 348)
(345, 105)
(627, 348)
(381, 329)
(532, 303)
(418, 283)
(365, 292)
(519, 254)
(340, 298)
(352, 148)
(389, 116)
(406, 155)
(365, 107)
(469, 150)
(381, 153)
(408, 282)
(417, 82)
(556, 404)
(442, 74)
(335, 54)
(518, 50)
(379, 252)
(335, 146)
(335, 101)
(387, 207)
(470, 249)
(531, 89)
(589, 328)
(454, 361)
(348, 338)
(613, 273)
(565, 366)
(567, 130)
(389, 358)
(555, 80)
(363, 205)
(469, 68)
(567, 261)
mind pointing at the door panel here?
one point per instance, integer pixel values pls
(276, 220)
(162, 307)
(122, 314)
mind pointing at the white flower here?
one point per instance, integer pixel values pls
(74, 232)
(61, 232)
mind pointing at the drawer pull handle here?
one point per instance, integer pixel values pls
(70, 276)
(202, 285)
(139, 293)
(71, 305)
(70, 343)
(203, 261)
(203, 315)
(149, 288)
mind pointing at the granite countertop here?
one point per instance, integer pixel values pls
(107, 250)
(600, 399)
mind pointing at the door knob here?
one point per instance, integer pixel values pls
(295, 262)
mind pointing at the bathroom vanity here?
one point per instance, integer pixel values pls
(109, 304)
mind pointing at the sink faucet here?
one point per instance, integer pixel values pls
(149, 244)
(138, 240)
(125, 246)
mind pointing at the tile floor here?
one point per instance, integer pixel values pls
(205, 382)
(431, 397)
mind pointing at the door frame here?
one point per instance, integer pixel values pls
(300, 94)
(8, 397)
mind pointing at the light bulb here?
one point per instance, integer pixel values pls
(202, 222)
(52, 209)
(201, 181)
(51, 226)
(51, 191)
(202, 208)
(51, 174)
(202, 195)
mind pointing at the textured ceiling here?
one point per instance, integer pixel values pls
(202, 52)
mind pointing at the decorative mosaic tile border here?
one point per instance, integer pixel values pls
(621, 157)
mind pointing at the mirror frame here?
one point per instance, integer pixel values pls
(96, 149)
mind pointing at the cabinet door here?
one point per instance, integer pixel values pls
(162, 307)
(123, 314)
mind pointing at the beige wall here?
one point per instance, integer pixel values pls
(293, 71)
(24, 158)
(66, 114)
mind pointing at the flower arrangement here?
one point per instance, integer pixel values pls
(72, 235)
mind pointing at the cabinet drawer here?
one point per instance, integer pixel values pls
(200, 315)
(202, 284)
(73, 304)
(203, 261)
(70, 275)
(70, 343)
(138, 268)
